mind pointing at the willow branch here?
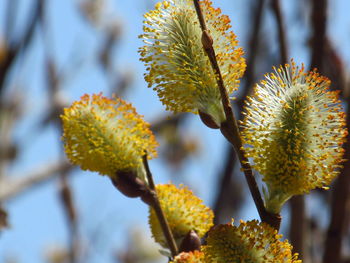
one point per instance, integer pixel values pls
(159, 211)
(229, 128)
(228, 188)
(225, 188)
(298, 229)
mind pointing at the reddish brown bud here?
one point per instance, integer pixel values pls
(148, 197)
(191, 242)
(208, 120)
(129, 184)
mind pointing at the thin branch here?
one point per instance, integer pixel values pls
(159, 211)
(10, 188)
(3, 219)
(224, 188)
(298, 226)
(227, 186)
(66, 196)
(65, 191)
(340, 205)
(230, 130)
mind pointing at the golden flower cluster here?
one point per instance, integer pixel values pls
(294, 126)
(184, 212)
(106, 135)
(189, 257)
(250, 242)
(177, 66)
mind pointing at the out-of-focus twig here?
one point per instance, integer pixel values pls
(173, 120)
(254, 43)
(334, 68)
(340, 205)
(10, 111)
(276, 8)
(298, 226)
(3, 219)
(22, 44)
(57, 102)
(11, 188)
(225, 203)
(70, 211)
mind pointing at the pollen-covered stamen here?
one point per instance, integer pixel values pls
(184, 212)
(296, 128)
(106, 135)
(250, 242)
(189, 257)
(177, 66)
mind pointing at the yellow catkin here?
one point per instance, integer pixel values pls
(177, 66)
(184, 212)
(106, 135)
(250, 242)
(189, 257)
(294, 126)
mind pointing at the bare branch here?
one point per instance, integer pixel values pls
(159, 211)
(230, 130)
(11, 188)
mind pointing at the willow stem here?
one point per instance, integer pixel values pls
(229, 128)
(159, 211)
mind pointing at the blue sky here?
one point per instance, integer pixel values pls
(36, 218)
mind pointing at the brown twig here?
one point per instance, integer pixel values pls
(298, 226)
(3, 219)
(340, 205)
(65, 192)
(69, 208)
(226, 185)
(159, 211)
(229, 128)
(253, 48)
(11, 188)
